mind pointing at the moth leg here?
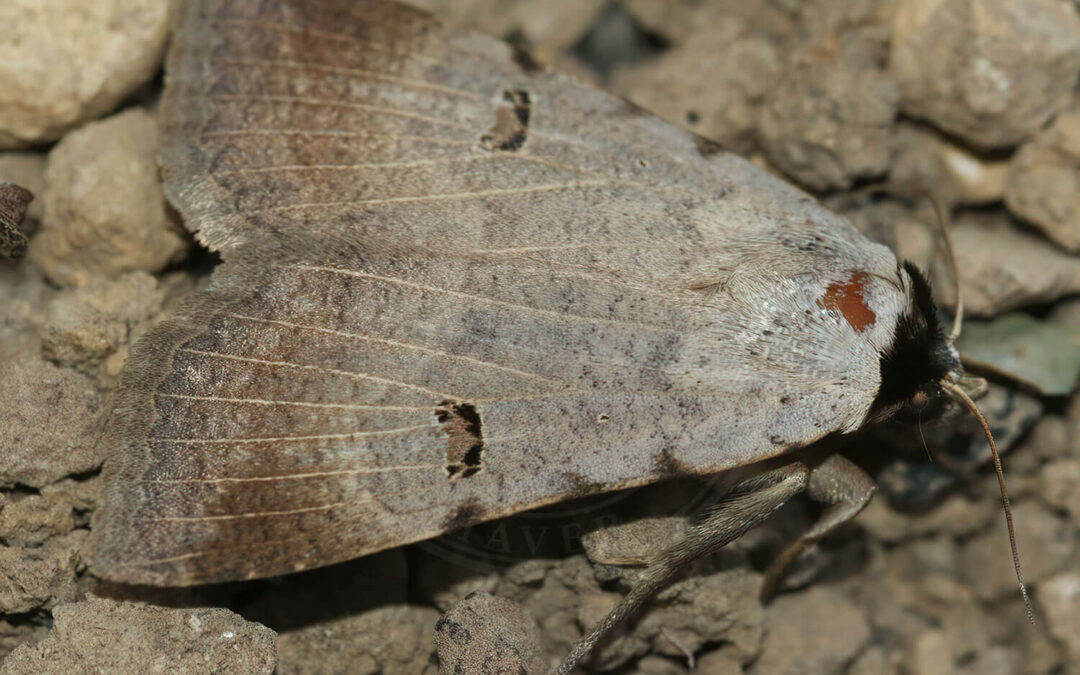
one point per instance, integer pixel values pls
(846, 488)
(752, 501)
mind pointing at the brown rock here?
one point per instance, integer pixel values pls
(104, 208)
(723, 606)
(1050, 439)
(622, 647)
(1002, 267)
(388, 639)
(712, 83)
(69, 61)
(1043, 186)
(930, 654)
(1059, 600)
(19, 630)
(1060, 486)
(809, 633)
(488, 634)
(677, 20)
(447, 585)
(721, 661)
(873, 661)
(1045, 542)
(89, 323)
(658, 665)
(40, 576)
(951, 173)
(962, 647)
(83, 494)
(704, 608)
(828, 120)
(957, 515)
(34, 518)
(23, 294)
(991, 72)
(545, 28)
(556, 602)
(48, 416)
(106, 636)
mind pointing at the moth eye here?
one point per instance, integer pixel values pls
(920, 399)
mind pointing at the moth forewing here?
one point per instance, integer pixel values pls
(457, 286)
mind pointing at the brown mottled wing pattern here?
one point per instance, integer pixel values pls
(455, 286)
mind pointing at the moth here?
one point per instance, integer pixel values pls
(456, 286)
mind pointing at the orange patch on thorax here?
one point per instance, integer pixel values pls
(849, 299)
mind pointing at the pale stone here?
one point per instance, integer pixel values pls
(104, 207)
(991, 72)
(69, 61)
(1043, 186)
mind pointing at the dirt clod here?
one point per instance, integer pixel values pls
(991, 72)
(101, 635)
(48, 415)
(104, 207)
(488, 634)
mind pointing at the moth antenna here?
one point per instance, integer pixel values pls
(962, 395)
(954, 269)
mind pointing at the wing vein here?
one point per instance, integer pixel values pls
(312, 437)
(478, 298)
(330, 103)
(506, 192)
(323, 369)
(402, 345)
(259, 401)
(294, 476)
(327, 132)
(255, 514)
(398, 165)
(329, 35)
(342, 70)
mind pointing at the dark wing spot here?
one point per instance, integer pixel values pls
(465, 438)
(511, 127)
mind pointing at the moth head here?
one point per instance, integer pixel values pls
(920, 356)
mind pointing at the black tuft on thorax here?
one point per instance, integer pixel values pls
(918, 358)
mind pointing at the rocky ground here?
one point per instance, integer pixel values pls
(972, 100)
